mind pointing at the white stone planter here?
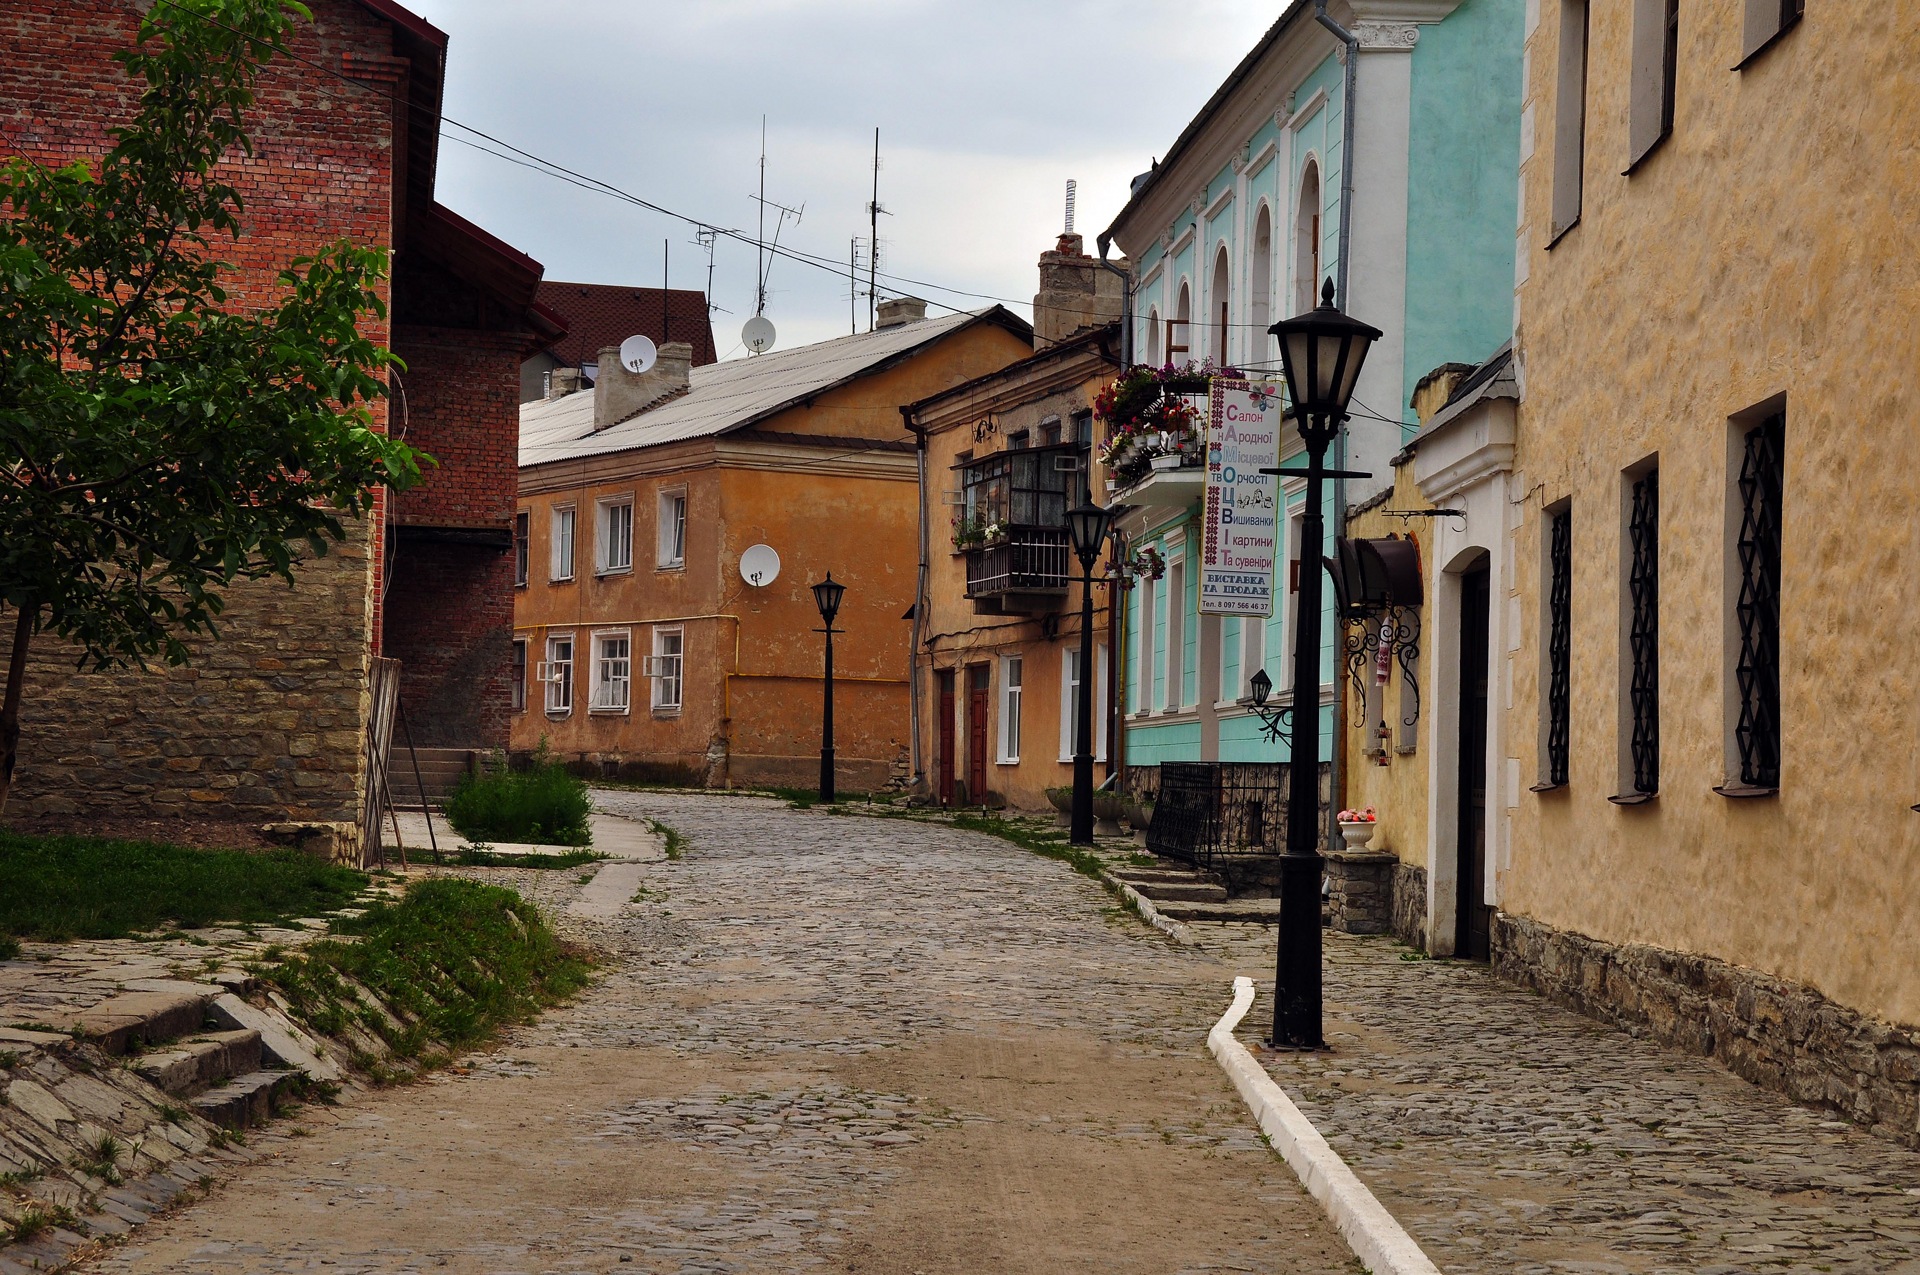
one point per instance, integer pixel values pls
(1358, 833)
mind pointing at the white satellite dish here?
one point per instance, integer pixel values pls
(760, 566)
(638, 355)
(757, 334)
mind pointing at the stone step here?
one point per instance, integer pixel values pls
(1188, 891)
(143, 1017)
(1264, 911)
(1159, 874)
(194, 1064)
(245, 1100)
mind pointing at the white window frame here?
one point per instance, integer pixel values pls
(1069, 684)
(612, 674)
(522, 547)
(1012, 675)
(667, 670)
(556, 675)
(1143, 647)
(562, 527)
(670, 530)
(1175, 697)
(612, 543)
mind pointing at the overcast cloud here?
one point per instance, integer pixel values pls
(986, 108)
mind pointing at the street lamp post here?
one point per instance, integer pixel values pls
(1321, 352)
(1087, 527)
(826, 596)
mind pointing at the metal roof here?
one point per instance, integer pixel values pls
(722, 397)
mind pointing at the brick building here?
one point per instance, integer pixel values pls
(269, 722)
(598, 315)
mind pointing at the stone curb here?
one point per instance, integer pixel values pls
(1381, 1243)
(1175, 930)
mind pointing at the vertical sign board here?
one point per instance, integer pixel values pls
(1242, 518)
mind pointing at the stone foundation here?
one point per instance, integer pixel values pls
(1778, 1034)
(1360, 890)
(1410, 905)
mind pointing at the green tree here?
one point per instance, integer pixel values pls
(157, 442)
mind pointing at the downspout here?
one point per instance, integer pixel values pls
(1338, 757)
(919, 604)
(1126, 298)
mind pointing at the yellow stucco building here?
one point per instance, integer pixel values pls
(1708, 768)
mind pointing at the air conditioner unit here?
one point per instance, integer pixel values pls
(1064, 464)
(953, 497)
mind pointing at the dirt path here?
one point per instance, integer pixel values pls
(821, 1043)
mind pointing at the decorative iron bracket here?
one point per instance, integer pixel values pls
(1403, 647)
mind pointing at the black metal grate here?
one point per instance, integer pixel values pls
(1643, 639)
(1211, 810)
(1559, 642)
(1758, 606)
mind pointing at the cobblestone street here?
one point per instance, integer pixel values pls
(819, 1043)
(1512, 1137)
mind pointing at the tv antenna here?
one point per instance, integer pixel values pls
(873, 230)
(705, 237)
(765, 256)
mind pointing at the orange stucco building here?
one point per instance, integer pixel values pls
(639, 644)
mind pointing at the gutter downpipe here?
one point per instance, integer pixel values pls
(919, 605)
(1338, 757)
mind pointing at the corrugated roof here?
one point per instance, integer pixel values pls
(727, 396)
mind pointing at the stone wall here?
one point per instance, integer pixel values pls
(1779, 1034)
(1410, 905)
(265, 724)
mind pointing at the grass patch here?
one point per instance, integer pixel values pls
(9, 948)
(480, 857)
(543, 804)
(454, 962)
(676, 845)
(58, 888)
(36, 1219)
(1046, 844)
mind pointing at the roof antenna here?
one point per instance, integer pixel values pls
(1072, 186)
(873, 229)
(666, 321)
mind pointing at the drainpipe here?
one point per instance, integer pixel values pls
(1126, 298)
(919, 605)
(1339, 751)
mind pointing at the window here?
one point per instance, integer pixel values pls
(613, 542)
(560, 563)
(1070, 692)
(1296, 536)
(1569, 118)
(1018, 440)
(1760, 492)
(1219, 296)
(1559, 648)
(1176, 652)
(1178, 325)
(1767, 21)
(1261, 293)
(517, 690)
(1153, 337)
(1050, 431)
(672, 529)
(558, 674)
(522, 547)
(665, 669)
(612, 672)
(1253, 654)
(1306, 241)
(1642, 630)
(1144, 611)
(1010, 708)
(1656, 62)
(1024, 486)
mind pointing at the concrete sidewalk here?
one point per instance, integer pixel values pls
(1513, 1137)
(615, 836)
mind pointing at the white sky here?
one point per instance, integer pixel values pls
(986, 108)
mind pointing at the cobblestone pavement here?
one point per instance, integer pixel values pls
(819, 1043)
(1511, 1136)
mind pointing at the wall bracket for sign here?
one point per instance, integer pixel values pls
(1404, 514)
(1324, 473)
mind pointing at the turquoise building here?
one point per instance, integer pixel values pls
(1374, 143)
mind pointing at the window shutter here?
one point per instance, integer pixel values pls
(1647, 124)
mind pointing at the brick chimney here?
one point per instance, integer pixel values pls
(619, 394)
(1076, 293)
(899, 312)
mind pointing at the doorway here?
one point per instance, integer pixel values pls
(978, 690)
(946, 771)
(1472, 934)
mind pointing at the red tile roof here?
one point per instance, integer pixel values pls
(599, 315)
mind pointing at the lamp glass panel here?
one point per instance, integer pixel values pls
(1262, 687)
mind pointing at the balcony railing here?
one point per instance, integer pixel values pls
(1026, 560)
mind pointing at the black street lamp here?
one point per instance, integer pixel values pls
(1087, 527)
(826, 596)
(1321, 352)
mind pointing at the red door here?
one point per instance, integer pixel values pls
(977, 685)
(946, 738)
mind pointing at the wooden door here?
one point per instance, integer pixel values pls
(978, 683)
(1471, 937)
(947, 709)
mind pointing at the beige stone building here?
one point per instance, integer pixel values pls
(1705, 785)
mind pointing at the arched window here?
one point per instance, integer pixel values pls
(1153, 337)
(1217, 298)
(1179, 327)
(1306, 238)
(1260, 313)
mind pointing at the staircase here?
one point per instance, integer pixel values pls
(1184, 894)
(440, 772)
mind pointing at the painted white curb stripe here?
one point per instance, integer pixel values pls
(1380, 1243)
(1175, 930)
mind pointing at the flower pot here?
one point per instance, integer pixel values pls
(1061, 799)
(1358, 834)
(1172, 460)
(1140, 815)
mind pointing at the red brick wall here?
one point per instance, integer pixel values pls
(459, 401)
(450, 624)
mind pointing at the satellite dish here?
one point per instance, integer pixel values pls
(757, 334)
(760, 565)
(638, 355)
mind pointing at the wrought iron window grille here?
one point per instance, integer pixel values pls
(1559, 643)
(1757, 608)
(1402, 626)
(1643, 637)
